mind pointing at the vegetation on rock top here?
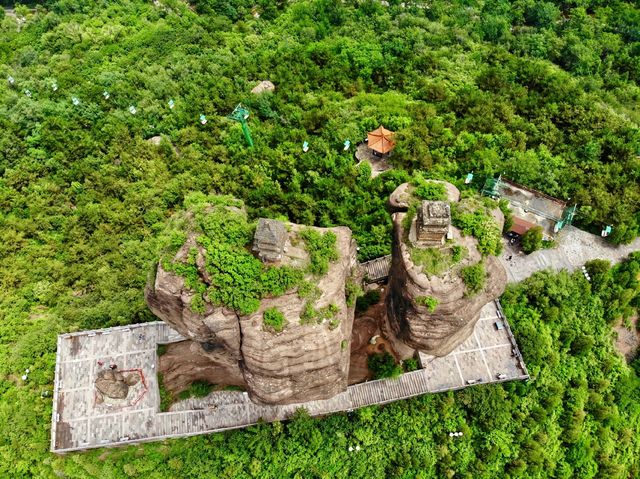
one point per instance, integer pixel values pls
(544, 92)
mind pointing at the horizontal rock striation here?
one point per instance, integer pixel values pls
(440, 331)
(300, 363)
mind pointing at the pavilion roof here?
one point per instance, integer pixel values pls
(381, 140)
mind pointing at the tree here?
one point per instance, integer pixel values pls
(532, 240)
(383, 365)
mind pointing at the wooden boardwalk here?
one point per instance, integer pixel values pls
(80, 422)
(377, 269)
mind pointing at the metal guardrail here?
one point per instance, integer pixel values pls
(512, 339)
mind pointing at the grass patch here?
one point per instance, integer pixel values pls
(166, 398)
(310, 314)
(198, 389)
(352, 291)
(433, 261)
(162, 349)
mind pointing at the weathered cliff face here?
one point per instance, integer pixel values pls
(302, 362)
(457, 311)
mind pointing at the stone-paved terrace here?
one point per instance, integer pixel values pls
(81, 422)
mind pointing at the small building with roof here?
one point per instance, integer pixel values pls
(269, 240)
(380, 141)
(433, 223)
(531, 207)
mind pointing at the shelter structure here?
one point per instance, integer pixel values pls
(433, 222)
(520, 226)
(380, 141)
(531, 207)
(269, 240)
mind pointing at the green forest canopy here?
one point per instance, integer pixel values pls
(544, 92)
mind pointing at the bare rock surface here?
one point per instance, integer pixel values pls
(401, 196)
(440, 331)
(299, 363)
(113, 384)
(185, 362)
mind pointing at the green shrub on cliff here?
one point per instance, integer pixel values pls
(321, 248)
(428, 301)
(474, 278)
(273, 320)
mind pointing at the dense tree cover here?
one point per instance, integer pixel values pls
(576, 417)
(545, 92)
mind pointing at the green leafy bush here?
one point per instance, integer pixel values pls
(503, 204)
(410, 364)
(532, 240)
(273, 320)
(429, 190)
(474, 218)
(370, 298)
(197, 304)
(321, 248)
(429, 301)
(474, 278)
(383, 365)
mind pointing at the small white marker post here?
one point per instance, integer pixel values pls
(171, 104)
(203, 120)
(106, 95)
(305, 146)
(132, 110)
(75, 100)
(11, 80)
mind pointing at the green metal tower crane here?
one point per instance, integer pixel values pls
(491, 187)
(240, 114)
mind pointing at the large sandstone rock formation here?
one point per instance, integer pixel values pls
(454, 318)
(301, 363)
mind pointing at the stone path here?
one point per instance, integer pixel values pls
(80, 422)
(575, 248)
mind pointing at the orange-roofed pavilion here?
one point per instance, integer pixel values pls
(381, 140)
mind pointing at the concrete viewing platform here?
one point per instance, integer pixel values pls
(82, 420)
